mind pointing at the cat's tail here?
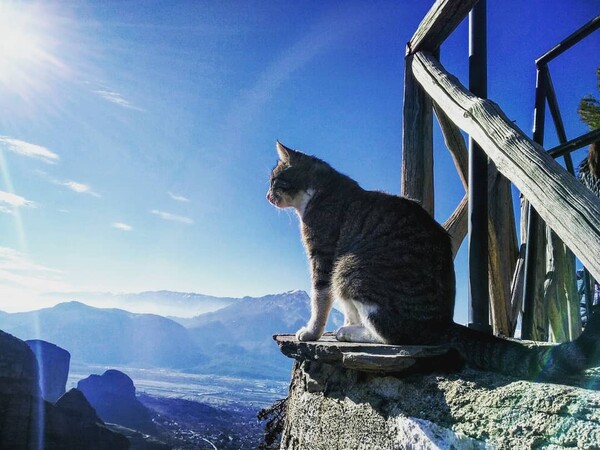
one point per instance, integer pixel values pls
(518, 359)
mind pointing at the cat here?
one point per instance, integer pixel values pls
(390, 264)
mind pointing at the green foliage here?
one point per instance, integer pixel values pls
(589, 108)
(275, 417)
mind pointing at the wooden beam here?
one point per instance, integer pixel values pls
(575, 144)
(417, 143)
(516, 290)
(560, 290)
(503, 253)
(569, 42)
(502, 239)
(439, 22)
(557, 119)
(457, 225)
(455, 143)
(568, 207)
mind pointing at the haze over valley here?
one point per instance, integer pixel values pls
(221, 361)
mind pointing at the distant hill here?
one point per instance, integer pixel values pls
(108, 336)
(238, 339)
(235, 340)
(164, 303)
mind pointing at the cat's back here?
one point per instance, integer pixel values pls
(389, 220)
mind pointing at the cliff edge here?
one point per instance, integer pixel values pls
(335, 407)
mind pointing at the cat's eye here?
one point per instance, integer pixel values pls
(281, 184)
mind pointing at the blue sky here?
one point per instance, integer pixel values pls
(136, 138)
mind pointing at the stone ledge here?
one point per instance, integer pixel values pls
(368, 357)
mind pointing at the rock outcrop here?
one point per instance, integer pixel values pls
(75, 405)
(112, 395)
(27, 421)
(334, 407)
(53, 363)
(19, 392)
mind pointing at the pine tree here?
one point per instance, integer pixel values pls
(589, 108)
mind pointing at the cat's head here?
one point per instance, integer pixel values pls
(294, 179)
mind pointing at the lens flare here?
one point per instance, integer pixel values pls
(31, 39)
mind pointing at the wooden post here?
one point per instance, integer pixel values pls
(557, 119)
(478, 203)
(533, 240)
(503, 253)
(516, 287)
(560, 290)
(502, 239)
(417, 142)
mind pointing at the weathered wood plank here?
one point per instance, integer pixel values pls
(570, 209)
(417, 143)
(538, 328)
(455, 143)
(516, 290)
(502, 254)
(502, 239)
(457, 225)
(439, 22)
(560, 290)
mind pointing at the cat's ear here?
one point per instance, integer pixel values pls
(286, 155)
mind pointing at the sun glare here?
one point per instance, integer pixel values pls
(28, 45)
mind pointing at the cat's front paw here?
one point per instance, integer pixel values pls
(307, 334)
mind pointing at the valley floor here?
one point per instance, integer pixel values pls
(199, 411)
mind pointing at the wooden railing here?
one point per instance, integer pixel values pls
(568, 207)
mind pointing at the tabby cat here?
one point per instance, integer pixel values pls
(390, 265)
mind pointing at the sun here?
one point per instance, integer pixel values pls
(28, 47)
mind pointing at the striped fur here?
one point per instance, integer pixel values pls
(391, 266)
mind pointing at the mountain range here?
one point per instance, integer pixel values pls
(234, 340)
(107, 336)
(165, 303)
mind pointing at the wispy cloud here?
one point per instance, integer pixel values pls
(20, 277)
(172, 217)
(121, 226)
(75, 186)
(28, 149)
(179, 198)
(113, 97)
(8, 202)
(80, 188)
(11, 259)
